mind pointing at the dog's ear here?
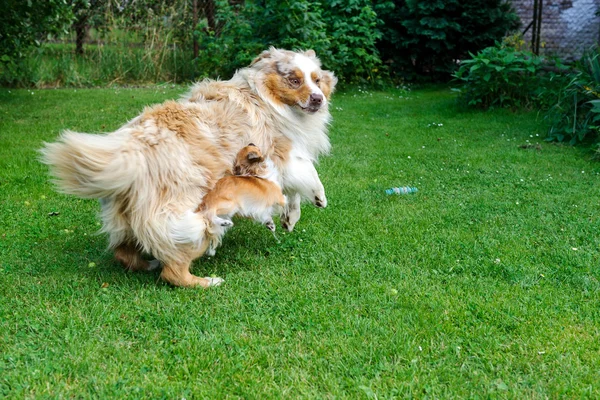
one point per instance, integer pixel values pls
(262, 56)
(271, 53)
(310, 53)
(254, 157)
(328, 83)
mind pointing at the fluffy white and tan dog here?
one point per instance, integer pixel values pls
(150, 174)
(253, 191)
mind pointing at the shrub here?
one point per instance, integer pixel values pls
(343, 33)
(426, 38)
(501, 76)
(23, 24)
(576, 115)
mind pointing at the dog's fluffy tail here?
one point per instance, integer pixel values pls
(92, 166)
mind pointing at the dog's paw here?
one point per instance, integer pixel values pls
(222, 222)
(211, 251)
(270, 225)
(214, 281)
(320, 201)
(286, 223)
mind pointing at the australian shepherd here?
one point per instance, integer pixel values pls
(150, 174)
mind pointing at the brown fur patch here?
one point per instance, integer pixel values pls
(327, 83)
(173, 116)
(249, 162)
(183, 120)
(231, 192)
(283, 91)
(282, 146)
(128, 255)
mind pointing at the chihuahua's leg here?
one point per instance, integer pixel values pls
(270, 225)
(222, 222)
(291, 212)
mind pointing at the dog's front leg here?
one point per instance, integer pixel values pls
(301, 180)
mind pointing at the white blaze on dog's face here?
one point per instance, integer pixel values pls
(297, 80)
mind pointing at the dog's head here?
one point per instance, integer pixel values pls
(249, 161)
(295, 79)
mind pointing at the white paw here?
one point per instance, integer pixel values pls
(152, 265)
(214, 281)
(270, 226)
(320, 200)
(222, 222)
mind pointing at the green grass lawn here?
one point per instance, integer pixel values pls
(482, 284)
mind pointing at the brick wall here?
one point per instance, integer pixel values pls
(568, 26)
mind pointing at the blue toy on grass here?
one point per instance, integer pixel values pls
(401, 190)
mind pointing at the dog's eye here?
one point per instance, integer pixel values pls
(318, 80)
(294, 81)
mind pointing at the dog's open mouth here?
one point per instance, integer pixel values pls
(310, 109)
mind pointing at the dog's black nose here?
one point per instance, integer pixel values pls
(316, 99)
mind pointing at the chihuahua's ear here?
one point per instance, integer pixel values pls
(253, 157)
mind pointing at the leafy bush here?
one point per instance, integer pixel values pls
(426, 38)
(501, 76)
(128, 42)
(576, 115)
(23, 24)
(343, 33)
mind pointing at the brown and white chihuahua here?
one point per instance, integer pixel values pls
(254, 191)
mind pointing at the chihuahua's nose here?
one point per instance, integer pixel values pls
(316, 99)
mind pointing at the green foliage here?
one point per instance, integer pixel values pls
(231, 47)
(575, 117)
(55, 65)
(353, 31)
(23, 25)
(342, 33)
(133, 42)
(427, 38)
(501, 76)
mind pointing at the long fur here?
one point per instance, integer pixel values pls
(254, 191)
(150, 173)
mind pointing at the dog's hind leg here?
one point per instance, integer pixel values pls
(131, 259)
(178, 274)
(116, 224)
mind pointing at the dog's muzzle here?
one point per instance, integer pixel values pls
(315, 101)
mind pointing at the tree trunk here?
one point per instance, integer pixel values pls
(80, 31)
(195, 4)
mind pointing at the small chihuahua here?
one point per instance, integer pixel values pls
(253, 191)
